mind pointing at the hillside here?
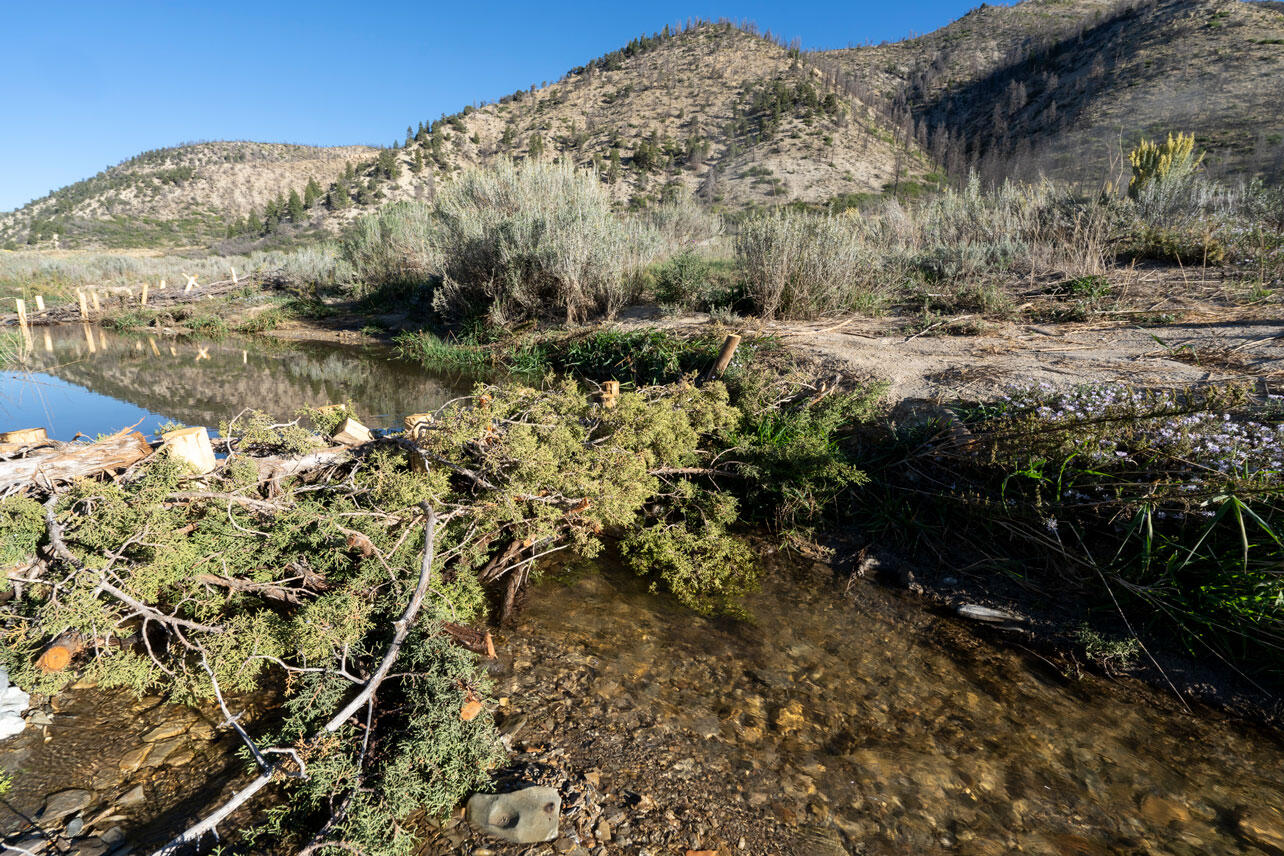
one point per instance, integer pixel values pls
(184, 195)
(1043, 87)
(729, 116)
(1055, 86)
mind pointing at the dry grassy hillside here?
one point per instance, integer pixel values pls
(176, 196)
(729, 116)
(1053, 86)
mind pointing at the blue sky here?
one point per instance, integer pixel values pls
(86, 85)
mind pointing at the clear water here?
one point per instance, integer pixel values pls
(867, 720)
(894, 730)
(95, 381)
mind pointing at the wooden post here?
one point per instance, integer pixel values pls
(192, 447)
(729, 346)
(40, 303)
(143, 301)
(610, 393)
(22, 313)
(191, 282)
(84, 309)
(352, 433)
(58, 655)
(235, 281)
(97, 303)
(155, 350)
(162, 285)
(24, 436)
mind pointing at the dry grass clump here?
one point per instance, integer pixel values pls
(955, 246)
(798, 266)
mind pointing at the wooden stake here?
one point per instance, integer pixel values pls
(155, 350)
(143, 301)
(235, 281)
(191, 282)
(22, 313)
(162, 285)
(729, 346)
(40, 303)
(84, 309)
(97, 303)
(610, 393)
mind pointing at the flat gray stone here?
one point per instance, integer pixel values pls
(63, 803)
(528, 816)
(985, 613)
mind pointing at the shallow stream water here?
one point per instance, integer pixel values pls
(826, 723)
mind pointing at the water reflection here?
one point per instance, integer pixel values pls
(86, 379)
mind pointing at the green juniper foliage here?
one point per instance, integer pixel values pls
(253, 581)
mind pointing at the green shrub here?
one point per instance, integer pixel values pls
(392, 250)
(692, 553)
(1182, 246)
(683, 281)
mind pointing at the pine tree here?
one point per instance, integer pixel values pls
(271, 215)
(417, 165)
(410, 135)
(613, 171)
(508, 138)
(338, 197)
(253, 226)
(388, 164)
(295, 206)
(311, 193)
(536, 146)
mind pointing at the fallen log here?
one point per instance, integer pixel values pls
(73, 461)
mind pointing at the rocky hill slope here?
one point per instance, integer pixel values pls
(1061, 87)
(178, 196)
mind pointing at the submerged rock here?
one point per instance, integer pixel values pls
(528, 816)
(63, 803)
(1263, 827)
(985, 613)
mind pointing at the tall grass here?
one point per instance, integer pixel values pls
(1168, 505)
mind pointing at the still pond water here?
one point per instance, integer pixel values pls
(898, 731)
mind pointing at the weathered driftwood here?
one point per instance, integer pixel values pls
(273, 469)
(72, 461)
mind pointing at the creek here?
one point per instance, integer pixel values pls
(828, 721)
